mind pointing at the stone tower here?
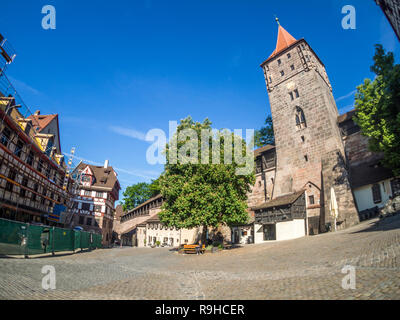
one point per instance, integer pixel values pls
(309, 146)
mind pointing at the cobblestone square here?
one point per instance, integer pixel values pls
(306, 268)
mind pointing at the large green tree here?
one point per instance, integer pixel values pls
(377, 107)
(138, 193)
(203, 194)
(265, 135)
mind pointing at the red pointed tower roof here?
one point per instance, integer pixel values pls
(285, 40)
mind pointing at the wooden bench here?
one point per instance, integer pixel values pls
(191, 248)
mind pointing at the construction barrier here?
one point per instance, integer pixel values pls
(18, 238)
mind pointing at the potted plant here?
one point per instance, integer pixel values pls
(157, 243)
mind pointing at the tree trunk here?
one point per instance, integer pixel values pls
(204, 235)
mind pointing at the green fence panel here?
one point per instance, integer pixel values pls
(17, 238)
(12, 235)
(77, 240)
(85, 240)
(100, 241)
(40, 239)
(63, 240)
(92, 240)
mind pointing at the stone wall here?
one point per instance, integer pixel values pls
(264, 180)
(129, 224)
(335, 174)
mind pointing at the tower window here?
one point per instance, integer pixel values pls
(302, 138)
(294, 94)
(306, 158)
(292, 67)
(300, 118)
(279, 62)
(282, 73)
(270, 79)
(289, 55)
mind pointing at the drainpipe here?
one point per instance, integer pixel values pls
(307, 232)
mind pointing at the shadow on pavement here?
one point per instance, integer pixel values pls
(386, 224)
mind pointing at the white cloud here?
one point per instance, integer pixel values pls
(346, 108)
(22, 86)
(144, 174)
(131, 133)
(346, 96)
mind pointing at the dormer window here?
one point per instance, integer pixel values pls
(86, 178)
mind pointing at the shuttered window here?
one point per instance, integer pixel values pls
(376, 193)
(395, 185)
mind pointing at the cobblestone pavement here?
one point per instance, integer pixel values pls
(306, 268)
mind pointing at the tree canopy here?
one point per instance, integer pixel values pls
(377, 107)
(204, 194)
(138, 193)
(265, 135)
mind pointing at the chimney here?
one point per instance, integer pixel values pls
(106, 164)
(37, 113)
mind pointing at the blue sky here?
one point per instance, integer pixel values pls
(114, 70)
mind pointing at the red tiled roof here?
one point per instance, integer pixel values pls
(280, 201)
(285, 40)
(42, 121)
(346, 116)
(259, 151)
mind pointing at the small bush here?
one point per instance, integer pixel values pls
(216, 244)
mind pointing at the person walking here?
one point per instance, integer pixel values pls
(198, 248)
